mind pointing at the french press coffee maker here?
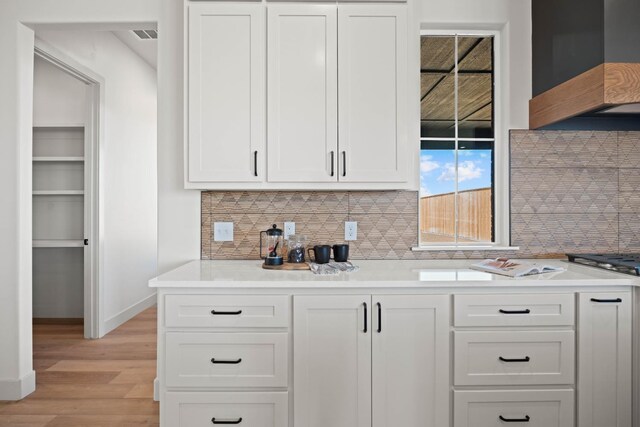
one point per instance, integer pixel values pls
(272, 246)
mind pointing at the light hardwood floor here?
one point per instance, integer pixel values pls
(93, 383)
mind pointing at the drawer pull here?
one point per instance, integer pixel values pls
(515, 420)
(612, 301)
(225, 362)
(524, 359)
(238, 421)
(226, 313)
(379, 317)
(525, 311)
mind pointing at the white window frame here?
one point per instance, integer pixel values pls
(502, 220)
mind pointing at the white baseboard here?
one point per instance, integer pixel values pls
(18, 389)
(127, 314)
(156, 390)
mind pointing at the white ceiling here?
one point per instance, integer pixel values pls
(146, 49)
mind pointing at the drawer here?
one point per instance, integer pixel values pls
(536, 408)
(514, 358)
(184, 409)
(227, 311)
(226, 359)
(514, 310)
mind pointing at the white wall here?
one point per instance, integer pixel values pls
(178, 209)
(57, 96)
(17, 378)
(128, 160)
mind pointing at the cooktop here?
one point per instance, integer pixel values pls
(622, 263)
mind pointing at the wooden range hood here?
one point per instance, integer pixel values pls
(586, 60)
(601, 88)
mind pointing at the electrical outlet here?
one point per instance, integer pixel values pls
(223, 231)
(350, 230)
(289, 229)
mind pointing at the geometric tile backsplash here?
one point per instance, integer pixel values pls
(570, 191)
(575, 191)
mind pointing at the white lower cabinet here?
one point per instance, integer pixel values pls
(226, 360)
(514, 357)
(186, 409)
(497, 408)
(350, 351)
(387, 360)
(604, 359)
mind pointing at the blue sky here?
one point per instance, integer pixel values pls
(437, 170)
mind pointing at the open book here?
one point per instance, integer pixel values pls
(513, 268)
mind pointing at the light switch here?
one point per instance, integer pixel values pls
(289, 229)
(223, 231)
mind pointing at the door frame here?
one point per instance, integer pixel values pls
(93, 227)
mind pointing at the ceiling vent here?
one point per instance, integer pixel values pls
(146, 34)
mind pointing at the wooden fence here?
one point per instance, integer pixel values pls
(474, 215)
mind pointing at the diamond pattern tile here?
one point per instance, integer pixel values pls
(320, 229)
(387, 236)
(570, 190)
(630, 232)
(277, 201)
(383, 202)
(556, 234)
(562, 149)
(629, 202)
(629, 149)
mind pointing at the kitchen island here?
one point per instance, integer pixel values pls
(411, 343)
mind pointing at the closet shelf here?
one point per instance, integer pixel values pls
(58, 192)
(58, 243)
(58, 159)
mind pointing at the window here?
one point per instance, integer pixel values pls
(458, 140)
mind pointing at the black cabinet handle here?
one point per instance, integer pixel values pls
(612, 301)
(525, 311)
(524, 359)
(255, 163)
(225, 362)
(226, 313)
(86, 242)
(344, 163)
(379, 317)
(238, 421)
(332, 163)
(515, 420)
(365, 318)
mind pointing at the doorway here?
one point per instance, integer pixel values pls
(65, 192)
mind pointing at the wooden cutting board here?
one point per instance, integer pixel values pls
(287, 266)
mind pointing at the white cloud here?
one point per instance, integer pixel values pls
(427, 164)
(424, 191)
(467, 170)
(484, 155)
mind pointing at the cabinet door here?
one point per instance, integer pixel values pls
(302, 87)
(372, 76)
(226, 92)
(411, 361)
(332, 361)
(604, 360)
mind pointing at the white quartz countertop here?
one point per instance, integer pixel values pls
(381, 273)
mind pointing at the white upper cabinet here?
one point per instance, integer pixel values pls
(372, 92)
(604, 359)
(297, 96)
(302, 93)
(226, 92)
